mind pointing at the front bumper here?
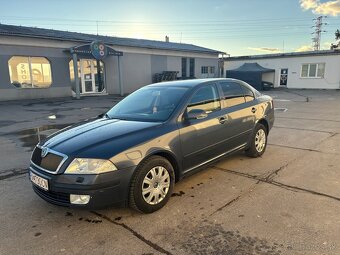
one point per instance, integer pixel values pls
(107, 189)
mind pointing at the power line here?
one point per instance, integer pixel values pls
(227, 29)
(151, 30)
(174, 22)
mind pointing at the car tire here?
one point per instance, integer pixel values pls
(258, 142)
(151, 185)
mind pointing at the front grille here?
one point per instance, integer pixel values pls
(53, 197)
(50, 162)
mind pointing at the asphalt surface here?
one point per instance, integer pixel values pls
(286, 202)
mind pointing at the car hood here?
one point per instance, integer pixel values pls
(75, 139)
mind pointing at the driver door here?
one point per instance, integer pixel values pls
(202, 139)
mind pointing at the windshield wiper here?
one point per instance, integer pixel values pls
(115, 117)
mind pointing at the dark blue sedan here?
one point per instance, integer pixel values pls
(134, 154)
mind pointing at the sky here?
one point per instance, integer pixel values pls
(237, 27)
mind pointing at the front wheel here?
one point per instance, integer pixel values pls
(258, 141)
(152, 185)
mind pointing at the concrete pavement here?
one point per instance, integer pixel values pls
(286, 202)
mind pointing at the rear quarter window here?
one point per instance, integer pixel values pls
(248, 94)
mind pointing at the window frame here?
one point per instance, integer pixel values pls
(244, 87)
(30, 71)
(212, 69)
(316, 72)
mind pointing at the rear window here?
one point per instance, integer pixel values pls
(233, 93)
(205, 98)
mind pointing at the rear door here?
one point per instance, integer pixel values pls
(202, 139)
(251, 110)
(239, 107)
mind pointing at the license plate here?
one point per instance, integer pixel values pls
(39, 181)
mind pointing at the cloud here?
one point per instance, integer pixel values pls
(265, 49)
(324, 46)
(326, 8)
(329, 8)
(309, 4)
(304, 48)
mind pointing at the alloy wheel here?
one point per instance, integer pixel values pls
(155, 185)
(260, 140)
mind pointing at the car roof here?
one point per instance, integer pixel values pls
(188, 83)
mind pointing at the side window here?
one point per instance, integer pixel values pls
(206, 98)
(248, 94)
(233, 93)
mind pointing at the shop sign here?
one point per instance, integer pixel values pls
(98, 50)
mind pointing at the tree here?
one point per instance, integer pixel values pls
(337, 38)
(337, 34)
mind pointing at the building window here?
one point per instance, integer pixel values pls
(204, 69)
(192, 68)
(208, 69)
(313, 70)
(184, 67)
(30, 72)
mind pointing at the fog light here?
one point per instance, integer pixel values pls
(79, 199)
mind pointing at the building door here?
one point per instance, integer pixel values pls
(87, 71)
(283, 77)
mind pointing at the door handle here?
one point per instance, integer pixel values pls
(253, 110)
(222, 120)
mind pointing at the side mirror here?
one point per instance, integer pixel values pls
(101, 115)
(196, 114)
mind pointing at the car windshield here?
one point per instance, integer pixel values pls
(148, 104)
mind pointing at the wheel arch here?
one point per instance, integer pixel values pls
(170, 157)
(265, 123)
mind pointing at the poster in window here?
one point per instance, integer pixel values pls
(284, 77)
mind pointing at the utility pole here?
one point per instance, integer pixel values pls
(318, 31)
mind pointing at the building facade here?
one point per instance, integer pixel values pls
(44, 63)
(300, 70)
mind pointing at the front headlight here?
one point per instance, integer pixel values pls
(90, 166)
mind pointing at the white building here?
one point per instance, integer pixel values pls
(307, 70)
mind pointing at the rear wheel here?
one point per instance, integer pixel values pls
(152, 185)
(258, 141)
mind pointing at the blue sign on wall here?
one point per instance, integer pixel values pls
(98, 50)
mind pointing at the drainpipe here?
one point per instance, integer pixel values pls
(76, 78)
